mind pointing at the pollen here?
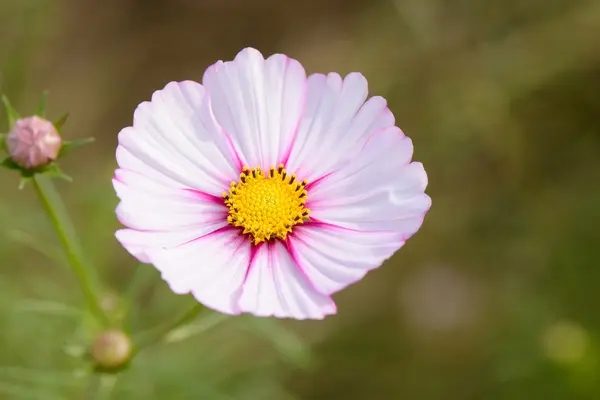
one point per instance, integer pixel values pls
(266, 204)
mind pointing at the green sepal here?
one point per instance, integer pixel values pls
(54, 171)
(11, 114)
(10, 164)
(40, 110)
(24, 180)
(58, 124)
(69, 145)
(3, 144)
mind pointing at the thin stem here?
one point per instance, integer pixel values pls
(158, 333)
(57, 212)
(137, 282)
(106, 386)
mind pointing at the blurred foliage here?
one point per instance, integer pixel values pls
(495, 298)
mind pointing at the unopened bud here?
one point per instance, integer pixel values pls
(111, 349)
(33, 142)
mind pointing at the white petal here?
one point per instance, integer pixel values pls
(138, 240)
(212, 268)
(379, 190)
(258, 102)
(158, 208)
(162, 216)
(275, 286)
(335, 124)
(138, 252)
(174, 140)
(333, 257)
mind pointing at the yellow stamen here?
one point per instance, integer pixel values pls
(266, 204)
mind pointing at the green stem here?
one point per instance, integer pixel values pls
(106, 385)
(57, 212)
(158, 333)
(136, 282)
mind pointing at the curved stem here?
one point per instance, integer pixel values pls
(158, 333)
(56, 210)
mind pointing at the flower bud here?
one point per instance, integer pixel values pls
(33, 142)
(111, 349)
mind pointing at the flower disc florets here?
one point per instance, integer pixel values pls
(266, 205)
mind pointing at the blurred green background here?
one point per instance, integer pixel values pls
(496, 297)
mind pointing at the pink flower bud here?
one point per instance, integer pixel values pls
(33, 142)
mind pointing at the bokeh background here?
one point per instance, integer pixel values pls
(496, 297)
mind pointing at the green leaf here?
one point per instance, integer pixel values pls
(204, 323)
(41, 107)
(29, 241)
(47, 307)
(285, 342)
(75, 350)
(11, 114)
(70, 145)
(58, 124)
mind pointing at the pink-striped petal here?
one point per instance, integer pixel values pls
(380, 190)
(335, 124)
(332, 257)
(144, 202)
(174, 141)
(276, 286)
(259, 103)
(162, 216)
(212, 268)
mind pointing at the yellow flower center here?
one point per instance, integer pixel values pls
(266, 205)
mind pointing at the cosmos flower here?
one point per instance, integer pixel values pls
(264, 191)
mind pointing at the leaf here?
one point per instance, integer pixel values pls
(41, 107)
(3, 144)
(11, 114)
(75, 350)
(58, 124)
(204, 323)
(47, 307)
(25, 239)
(287, 344)
(68, 145)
